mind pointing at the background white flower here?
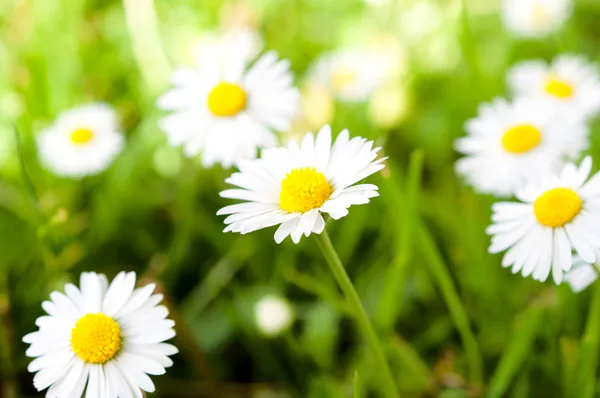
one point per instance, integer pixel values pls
(351, 75)
(293, 185)
(535, 18)
(509, 144)
(82, 141)
(225, 109)
(556, 215)
(569, 80)
(582, 274)
(273, 315)
(102, 339)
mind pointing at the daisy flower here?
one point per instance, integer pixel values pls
(294, 185)
(556, 215)
(273, 315)
(82, 141)
(509, 144)
(535, 18)
(569, 80)
(581, 274)
(226, 109)
(351, 75)
(102, 339)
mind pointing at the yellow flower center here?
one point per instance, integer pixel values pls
(226, 99)
(82, 135)
(96, 338)
(304, 189)
(557, 207)
(521, 138)
(558, 88)
(343, 78)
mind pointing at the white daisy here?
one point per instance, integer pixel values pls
(509, 144)
(535, 18)
(351, 75)
(82, 141)
(569, 80)
(273, 315)
(556, 215)
(225, 109)
(582, 274)
(294, 185)
(102, 339)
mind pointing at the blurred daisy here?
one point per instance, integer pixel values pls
(556, 215)
(569, 81)
(351, 75)
(535, 18)
(509, 144)
(82, 141)
(108, 338)
(294, 185)
(225, 109)
(581, 274)
(273, 315)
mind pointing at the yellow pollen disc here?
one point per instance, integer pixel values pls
(558, 88)
(96, 338)
(521, 138)
(304, 189)
(557, 207)
(82, 136)
(226, 99)
(343, 78)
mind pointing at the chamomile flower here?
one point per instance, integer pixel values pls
(226, 109)
(82, 141)
(273, 315)
(102, 339)
(294, 185)
(582, 274)
(569, 80)
(555, 215)
(511, 143)
(351, 75)
(535, 18)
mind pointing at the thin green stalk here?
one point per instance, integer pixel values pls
(388, 386)
(9, 389)
(457, 311)
(469, 43)
(589, 349)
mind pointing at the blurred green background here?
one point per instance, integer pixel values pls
(452, 321)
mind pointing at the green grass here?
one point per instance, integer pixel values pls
(451, 321)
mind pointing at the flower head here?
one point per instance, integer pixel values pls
(569, 81)
(273, 315)
(100, 338)
(294, 185)
(555, 216)
(82, 141)
(225, 109)
(511, 143)
(351, 75)
(535, 18)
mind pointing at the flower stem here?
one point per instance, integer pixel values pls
(588, 348)
(388, 386)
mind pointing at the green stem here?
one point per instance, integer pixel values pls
(589, 349)
(388, 386)
(457, 310)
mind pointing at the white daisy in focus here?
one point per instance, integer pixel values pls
(556, 215)
(535, 18)
(351, 75)
(294, 185)
(82, 141)
(273, 315)
(569, 80)
(509, 144)
(225, 109)
(102, 339)
(582, 274)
